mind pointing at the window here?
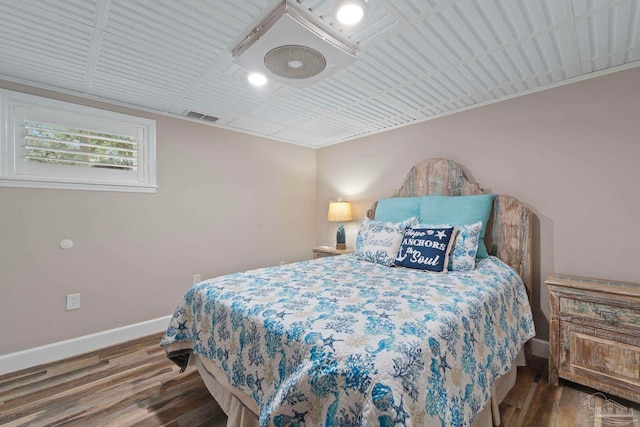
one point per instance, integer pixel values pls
(53, 144)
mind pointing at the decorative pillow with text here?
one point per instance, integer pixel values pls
(379, 241)
(426, 248)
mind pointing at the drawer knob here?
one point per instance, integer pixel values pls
(609, 316)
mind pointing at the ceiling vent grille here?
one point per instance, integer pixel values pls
(287, 46)
(200, 116)
(295, 62)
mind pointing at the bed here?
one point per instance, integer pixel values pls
(345, 342)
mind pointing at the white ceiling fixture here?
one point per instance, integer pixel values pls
(257, 79)
(351, 12)
(295, 62)
(289, 47)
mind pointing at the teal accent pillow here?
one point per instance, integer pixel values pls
(459, 210)
(398, 209)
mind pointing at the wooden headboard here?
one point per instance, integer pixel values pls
(508, 233)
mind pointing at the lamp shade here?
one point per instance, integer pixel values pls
(340, 211)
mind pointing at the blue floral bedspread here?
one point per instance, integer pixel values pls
(341, 342)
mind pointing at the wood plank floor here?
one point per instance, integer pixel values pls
(135, 384)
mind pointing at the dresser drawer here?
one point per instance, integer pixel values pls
(325, 251)
(600, 311)
(594, 333)
(322, 254)
(609, 358)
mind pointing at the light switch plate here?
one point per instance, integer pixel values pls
(73, 302)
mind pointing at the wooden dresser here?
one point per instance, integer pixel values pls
(594, 334)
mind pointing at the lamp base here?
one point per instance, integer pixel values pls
(340, 238)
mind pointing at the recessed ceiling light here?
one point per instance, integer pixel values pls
(257, 79)
(350, 12)
(294, 63)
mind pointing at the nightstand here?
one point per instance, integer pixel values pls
(324, 251)
(594, 334)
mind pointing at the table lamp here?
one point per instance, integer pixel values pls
(338, 212)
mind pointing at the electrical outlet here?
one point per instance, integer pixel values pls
(197, 278)
(73, 302)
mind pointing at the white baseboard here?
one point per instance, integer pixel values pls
(540, 348)
(61, 350)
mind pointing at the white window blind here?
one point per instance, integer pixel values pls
(53, 144)
(63, 145)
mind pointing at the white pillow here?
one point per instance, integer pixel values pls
(463, 254)
(379, 241)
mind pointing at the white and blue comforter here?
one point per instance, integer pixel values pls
(342, 342)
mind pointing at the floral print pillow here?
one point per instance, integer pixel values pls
(379, 241)
(463, 254)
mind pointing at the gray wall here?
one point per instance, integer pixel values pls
(571, 153)
(226, 202)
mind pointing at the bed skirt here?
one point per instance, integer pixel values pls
(242, 411)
